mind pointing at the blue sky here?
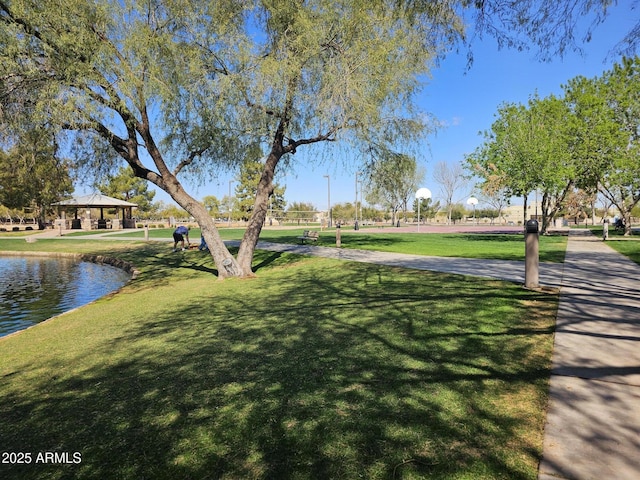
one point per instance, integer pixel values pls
(465, 102)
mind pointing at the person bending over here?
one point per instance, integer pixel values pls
(178, 237)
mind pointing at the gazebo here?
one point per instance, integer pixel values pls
(97, 201)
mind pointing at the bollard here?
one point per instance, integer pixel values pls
(146, 232)
(532, 257)
(338, 232)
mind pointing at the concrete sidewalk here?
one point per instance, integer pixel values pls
(550, 273)
(593, 421)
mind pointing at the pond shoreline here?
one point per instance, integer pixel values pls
(82, 257)
(99, 259)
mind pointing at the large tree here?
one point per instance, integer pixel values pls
(181, 88)
(528, 149)
(552, 137)
(606, 129)
(503, 161)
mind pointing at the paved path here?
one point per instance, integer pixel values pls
(550, 274)
(593, 421)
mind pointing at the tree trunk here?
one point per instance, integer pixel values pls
(259, 213)
(549, 214)
(546, 206)
(225, 263)
(627, 223)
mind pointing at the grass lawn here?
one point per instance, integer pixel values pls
(315, 369)
(468, 245)
(629, 246)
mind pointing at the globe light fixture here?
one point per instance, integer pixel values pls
(422, 194)
(473, 201)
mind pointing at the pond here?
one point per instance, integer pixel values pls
(33, 289)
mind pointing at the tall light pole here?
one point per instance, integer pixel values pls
(422, 194)
(473, 201)
(230, 204)
(360, 201)
(328, 200)
(355, 225)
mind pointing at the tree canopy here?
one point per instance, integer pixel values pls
(182, 90)
(126, 187)
(606, 124)
(392, 180)
(33, 175)
(587, 139)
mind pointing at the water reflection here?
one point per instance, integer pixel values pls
(33, 289)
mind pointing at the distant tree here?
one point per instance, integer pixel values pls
(301, 211)
(458, 212)
(230, 207)
(451, 179)
(343, 212)
(428, 208)
(374, 214)
(489, 213)
(169, 211)
(124, 186)
(32, 175)
(579, 204)
(213, 205)
(496, 199)
(392, 180)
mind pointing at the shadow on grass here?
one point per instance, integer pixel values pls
(349, 372)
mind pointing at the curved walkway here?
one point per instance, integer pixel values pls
(550, 273)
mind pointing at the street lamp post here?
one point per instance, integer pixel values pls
(230, 204)
(328, 200)
(422, 194)
(355, 225)
(360, 184)
(473, 201)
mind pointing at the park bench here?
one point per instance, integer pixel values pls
(310, 235)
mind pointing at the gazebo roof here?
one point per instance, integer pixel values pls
(95, 200)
